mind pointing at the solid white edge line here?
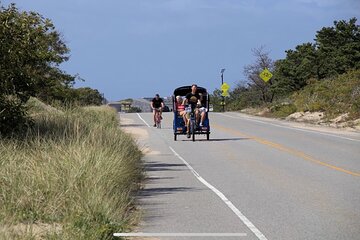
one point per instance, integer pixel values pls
(242, 217)
(293, 128)
(179, 234)
(143, 120)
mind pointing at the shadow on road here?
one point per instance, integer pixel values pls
(160, 187)
(223, 139)
(149, 179)
(163, 128)
(155, 166)
(151, 192)
(133, 125)
(215, 139)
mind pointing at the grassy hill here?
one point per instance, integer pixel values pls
(335, 101)
(71, 177)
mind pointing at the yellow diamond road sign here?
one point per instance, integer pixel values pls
(225, 87)
(225, 94)
(266, 75)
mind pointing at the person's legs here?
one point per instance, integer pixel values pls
(203, 114)
(187, 121)
(154, 117)
(160, 112)
(197, 115)
(183, 114)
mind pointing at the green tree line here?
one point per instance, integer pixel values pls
(334, 52)
(31, 51)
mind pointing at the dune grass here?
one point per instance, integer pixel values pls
(334, 96)
(72, 176)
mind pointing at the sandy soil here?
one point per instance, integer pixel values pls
(128, 126)
(312, 120)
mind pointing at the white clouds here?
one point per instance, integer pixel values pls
(320, 3)
(332, 3)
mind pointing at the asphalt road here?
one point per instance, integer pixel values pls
(255, 178)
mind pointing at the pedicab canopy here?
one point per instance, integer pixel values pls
(182, 91)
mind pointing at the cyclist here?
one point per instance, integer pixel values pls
(157, 104)
(193, 99)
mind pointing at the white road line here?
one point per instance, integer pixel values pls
(242, 217)
(143, 120)
(293, 128)
(179, 234)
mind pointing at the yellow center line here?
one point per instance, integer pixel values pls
(285, 149)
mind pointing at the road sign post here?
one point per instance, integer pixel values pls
(224, 93)
(222, 83)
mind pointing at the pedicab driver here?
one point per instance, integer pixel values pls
(157, 104)
(193, 99)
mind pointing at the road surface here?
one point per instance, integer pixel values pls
(255, 178)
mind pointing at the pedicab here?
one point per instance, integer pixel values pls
(179, 125)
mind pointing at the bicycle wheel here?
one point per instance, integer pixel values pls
(158, 120)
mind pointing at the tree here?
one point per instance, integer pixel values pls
(244, 96)
(293, 72)
(216, 99)
(87, 96)
(252, 72)
(30, 53)
(338, 48)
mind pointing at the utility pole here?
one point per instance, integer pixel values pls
(222, 82)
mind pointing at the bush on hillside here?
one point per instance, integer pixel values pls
(282, 110)
(334, 96)
(13, 117)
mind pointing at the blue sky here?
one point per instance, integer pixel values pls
(136, 48)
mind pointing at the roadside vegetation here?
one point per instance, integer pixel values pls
(334, 96)
(72, 175)
(323, 76)
(31, 52)
(66, 169)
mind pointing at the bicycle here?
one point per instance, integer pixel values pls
(157, 118)
(192, 121)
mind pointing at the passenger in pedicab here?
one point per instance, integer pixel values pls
(202, 109)
(180, 108)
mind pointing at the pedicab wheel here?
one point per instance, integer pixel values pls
(192, 129)
(175, 136)
(207, 136)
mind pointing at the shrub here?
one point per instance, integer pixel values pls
(13, 119)
(282, 110)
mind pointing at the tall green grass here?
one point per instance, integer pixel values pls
(334, 96)
(71, 177)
